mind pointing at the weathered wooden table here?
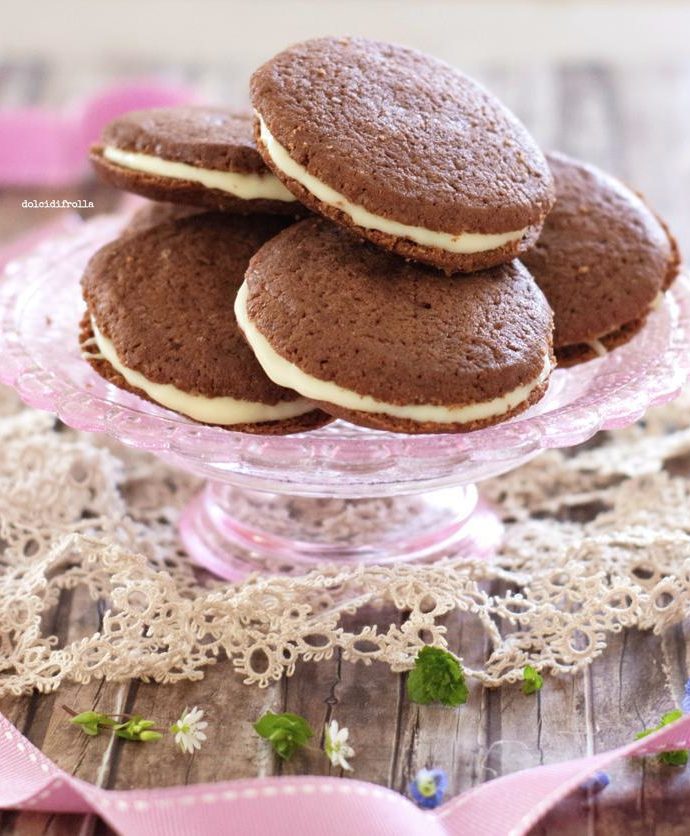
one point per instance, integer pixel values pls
(636, 123)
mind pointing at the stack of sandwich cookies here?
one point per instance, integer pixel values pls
(603, 260)
(160, 323)
(401, 305)
(389, 344)
(403, 150)
(202, 156)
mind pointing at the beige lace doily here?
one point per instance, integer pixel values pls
(596, 540)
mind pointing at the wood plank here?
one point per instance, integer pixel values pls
(630, 691)
(44, 824)
(31, 714)
(45, 722)
(366, 699)
(466, 728)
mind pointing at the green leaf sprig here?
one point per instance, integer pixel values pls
(532, 680)
(91, 722)
(285, 732)
(136, 728)
(437, 676)
(133, 727)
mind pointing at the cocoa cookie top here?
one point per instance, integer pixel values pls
(346, 312)
(205, 137)
(602, 256)
(403, 135)
(164, 298)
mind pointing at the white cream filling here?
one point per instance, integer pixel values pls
(463, 242)
(285, 373)
(658, 299)
(245, 186)
(222, 410)
(598, 348)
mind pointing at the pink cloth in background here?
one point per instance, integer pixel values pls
(304, 806)
(40, 147)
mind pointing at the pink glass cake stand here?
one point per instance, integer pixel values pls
(341, 493)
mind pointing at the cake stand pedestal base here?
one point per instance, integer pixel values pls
(232, 531)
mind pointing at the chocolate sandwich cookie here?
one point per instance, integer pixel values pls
(160, 323)
(602, 260)
(390, 344)
(402, 149)
(202, 156)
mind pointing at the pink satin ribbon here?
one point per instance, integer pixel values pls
(41, 147)
(304, 806)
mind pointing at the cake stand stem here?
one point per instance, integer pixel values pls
(233, 531)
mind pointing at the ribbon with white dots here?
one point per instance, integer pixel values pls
(304, 805)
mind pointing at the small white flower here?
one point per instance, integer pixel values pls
(188, 730)
(336, 746)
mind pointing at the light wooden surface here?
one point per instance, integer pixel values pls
(635, 123)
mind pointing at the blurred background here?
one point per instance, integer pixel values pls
(608, 81)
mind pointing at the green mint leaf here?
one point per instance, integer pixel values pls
(285, 732)
(532, 680)
(676, 757)
(437, 676)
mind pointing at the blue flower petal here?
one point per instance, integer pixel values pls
(441, 780)
(597, 782)
(424, 780)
